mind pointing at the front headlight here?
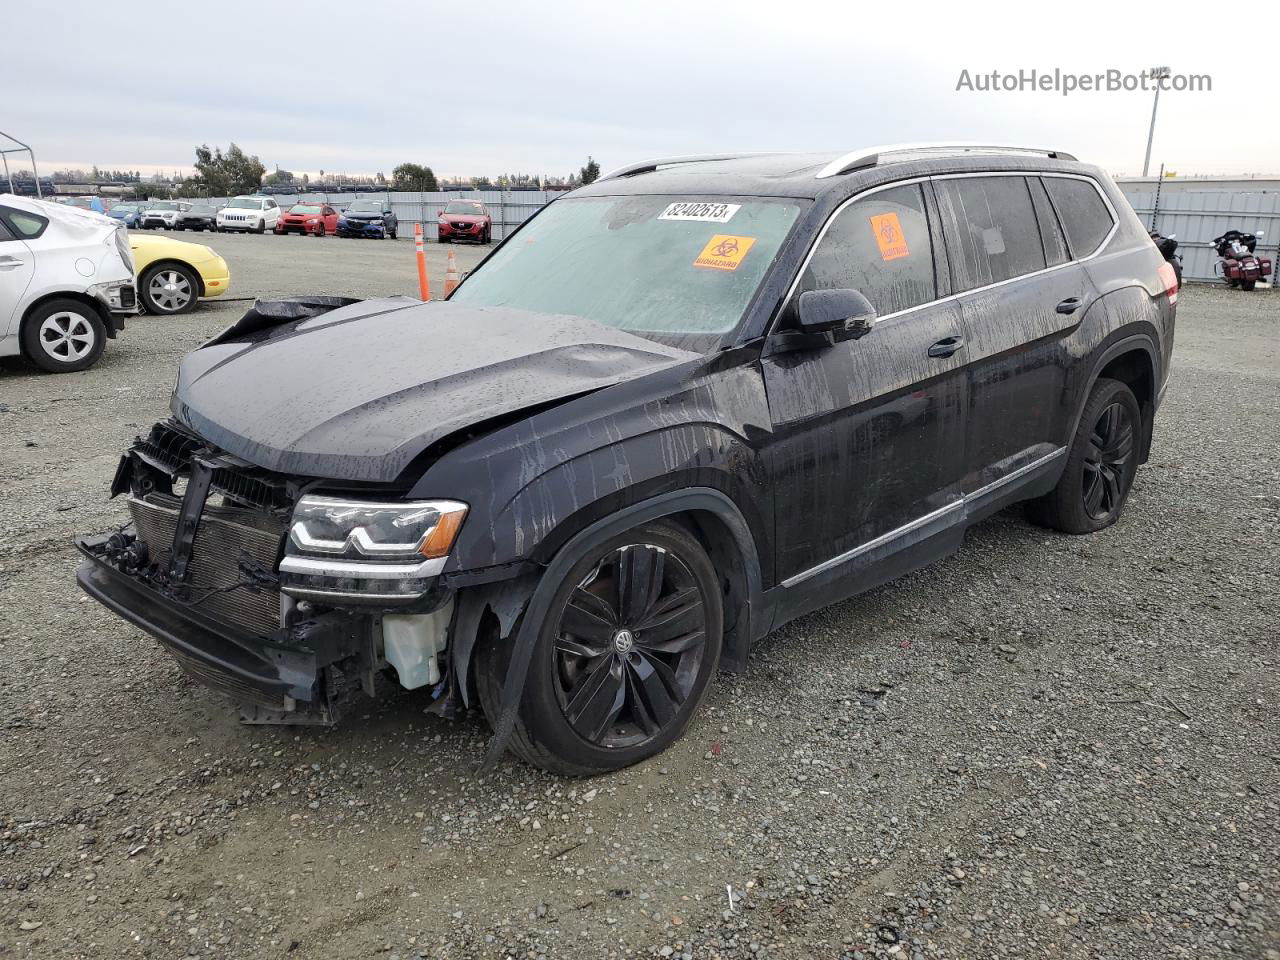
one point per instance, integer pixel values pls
(367, 551)
(313, 220)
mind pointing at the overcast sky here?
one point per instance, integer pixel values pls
(475, 89)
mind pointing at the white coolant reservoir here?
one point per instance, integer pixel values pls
(411, 643)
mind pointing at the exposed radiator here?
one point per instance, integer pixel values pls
(225, 537)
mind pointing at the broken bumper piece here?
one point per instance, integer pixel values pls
(272, 681)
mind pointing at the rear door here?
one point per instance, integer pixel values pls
(17, 266)
(868, 433)
(1022, 296)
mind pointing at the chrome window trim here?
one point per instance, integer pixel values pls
(925, 520)
(1115, 227)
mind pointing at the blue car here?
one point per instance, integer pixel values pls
(368, 218)
(130, 213)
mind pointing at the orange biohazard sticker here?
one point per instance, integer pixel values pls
(724, 252)
(889, 235)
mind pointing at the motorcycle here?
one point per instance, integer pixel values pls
(1168, 249)
(1238, 266)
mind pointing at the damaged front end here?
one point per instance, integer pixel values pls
(276, 596)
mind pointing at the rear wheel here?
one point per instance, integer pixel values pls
(63, 336)
(1101, 464)
(169, 288)
(1248, 284)
(624, 658)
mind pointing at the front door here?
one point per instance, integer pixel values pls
(868, 444)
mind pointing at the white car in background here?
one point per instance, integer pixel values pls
(66, 283)
(258, 214)
(163, 213)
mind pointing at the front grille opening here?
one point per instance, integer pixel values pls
(230, 543)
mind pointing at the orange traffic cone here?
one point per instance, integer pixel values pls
(450, 276)
(424, 282)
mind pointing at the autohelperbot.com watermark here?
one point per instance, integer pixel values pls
(1065, 82)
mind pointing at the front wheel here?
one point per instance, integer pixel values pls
(623, 660)
(261, 227)
(1101, 464)
(1248, 284)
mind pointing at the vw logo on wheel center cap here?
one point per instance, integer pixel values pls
(623, 641)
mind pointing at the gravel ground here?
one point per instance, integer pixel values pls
(1044, 746)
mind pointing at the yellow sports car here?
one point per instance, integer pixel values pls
(174, 274)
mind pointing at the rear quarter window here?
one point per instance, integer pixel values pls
(1085, 217)
(991, 228)
(27, 226)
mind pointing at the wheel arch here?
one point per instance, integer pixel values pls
(1134, 360)
(103, 314)
(709, 514)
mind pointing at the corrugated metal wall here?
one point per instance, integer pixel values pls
(1197, 216)
(508, 209)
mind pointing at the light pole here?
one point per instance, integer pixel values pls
(1158, 74)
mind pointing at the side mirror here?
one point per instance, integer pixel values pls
(439, 213)
(845, 312)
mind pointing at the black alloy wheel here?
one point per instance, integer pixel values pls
(1101, 464)
(1106, 461)
(622, 660)
(629, 645)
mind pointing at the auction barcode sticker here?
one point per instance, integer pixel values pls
(699, 210)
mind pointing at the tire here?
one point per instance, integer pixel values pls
(1101, 464)
(633, 697)
(46, 344)
(488, 234)
(1248, 284)
(393, 234)
(168, 289)
(443, 240)
(261, 227)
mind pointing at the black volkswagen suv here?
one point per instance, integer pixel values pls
(675, 409)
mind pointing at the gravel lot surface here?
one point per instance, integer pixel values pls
(1044, 746)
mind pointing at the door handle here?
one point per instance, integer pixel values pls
(10, 262)
(1069, 305)
(946, 347)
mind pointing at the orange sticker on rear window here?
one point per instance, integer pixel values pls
(889, 236)
(724, 252)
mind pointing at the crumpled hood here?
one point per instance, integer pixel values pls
(358, 392)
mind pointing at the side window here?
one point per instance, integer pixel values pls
(1055, 244)
(271, 204)
(992, 226)
(1085, 217)
(28, 226)
(4, 233)
(879, 246)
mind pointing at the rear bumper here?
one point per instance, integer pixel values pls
(246, 668)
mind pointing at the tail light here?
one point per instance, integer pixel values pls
(1170, 280)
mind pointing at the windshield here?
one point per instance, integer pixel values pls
(365, 206)
(81, 202)
(467, 207)
(125, 208)
(245, 203)
(677, 270)
(200, 211)
(303, 208)
(164, 205)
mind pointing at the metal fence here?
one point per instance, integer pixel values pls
(508, 208)
(1197, 216)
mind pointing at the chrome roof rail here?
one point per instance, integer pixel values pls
(870, 156)
(648, 166)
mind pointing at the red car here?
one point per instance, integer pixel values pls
(317, 219)
(464, 220)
